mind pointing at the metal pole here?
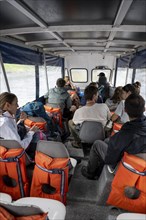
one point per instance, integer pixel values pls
(37, 80)
(4, 72)
(47, 83)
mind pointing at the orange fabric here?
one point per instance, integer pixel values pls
(55, 114)
(33, 217)
(10, 169)
(124, 178)
(71, 92)
(116, 128)
(5, 215)
(41, 177)
(40, 125)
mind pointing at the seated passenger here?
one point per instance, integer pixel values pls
(120, 113)
(99, 99)
(92, 111)
(68, 84)
(131, 139)
(8, 125)
(113, 102)
(58, 97)
(104, 86)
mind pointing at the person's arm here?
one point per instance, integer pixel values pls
(108, 112)
(114, 117)
(76, 117)
(9, 131)
(68, 102)
(118, 112)
(23, 116)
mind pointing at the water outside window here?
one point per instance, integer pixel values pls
(21, 80)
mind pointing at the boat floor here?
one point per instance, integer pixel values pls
(82, 195)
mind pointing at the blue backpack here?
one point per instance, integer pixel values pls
(36, 108)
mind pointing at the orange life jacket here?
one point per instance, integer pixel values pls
(41, 125)
(13, 178)
(134, 176)
(116, 128)
(55, 114)
(53, 171)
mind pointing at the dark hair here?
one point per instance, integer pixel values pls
(129, 88)
(117, 96)
(60, 82)
(101, 74)
(137, 86)
(93, 84)
(6, 97)
(137, 83)
(102, 81)
(134, 106)
(89, 92)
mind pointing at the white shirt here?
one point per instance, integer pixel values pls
(8, 130)
(120, 111)
(97, 112)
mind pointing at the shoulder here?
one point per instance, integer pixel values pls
(4, 121)
(101, 106)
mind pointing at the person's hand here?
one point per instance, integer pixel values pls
(73, 108)
(34, 128)
(23, 116)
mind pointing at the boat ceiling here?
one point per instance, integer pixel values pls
(62, 27)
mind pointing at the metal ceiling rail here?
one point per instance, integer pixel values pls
(85, 41)
(35, 18)
(73, 28)
(122, 11)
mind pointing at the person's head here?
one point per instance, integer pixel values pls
(102, 79)
(134, 106)
(128, 90)
(66, 78)
(60, 82)
(137, 85)
(117, 96)
(91, 93)
(101, 74)
(8, 102)
(93, 84)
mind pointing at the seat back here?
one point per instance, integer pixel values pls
(91, 131)
(51, 170)
(131, 176)
(55, 114)
(9, 210)
(13, 178)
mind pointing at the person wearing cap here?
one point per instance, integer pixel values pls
(103, 86)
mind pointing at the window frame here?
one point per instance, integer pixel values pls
(79, 69)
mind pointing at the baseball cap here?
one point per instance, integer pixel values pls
(101, 74)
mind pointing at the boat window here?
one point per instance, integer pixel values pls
(66, 72)
(129, 77)
(141, 77)
(78, 75)
(53, 72)
(43, 84)
(121, 76)
(96, 72)
(22, 81)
